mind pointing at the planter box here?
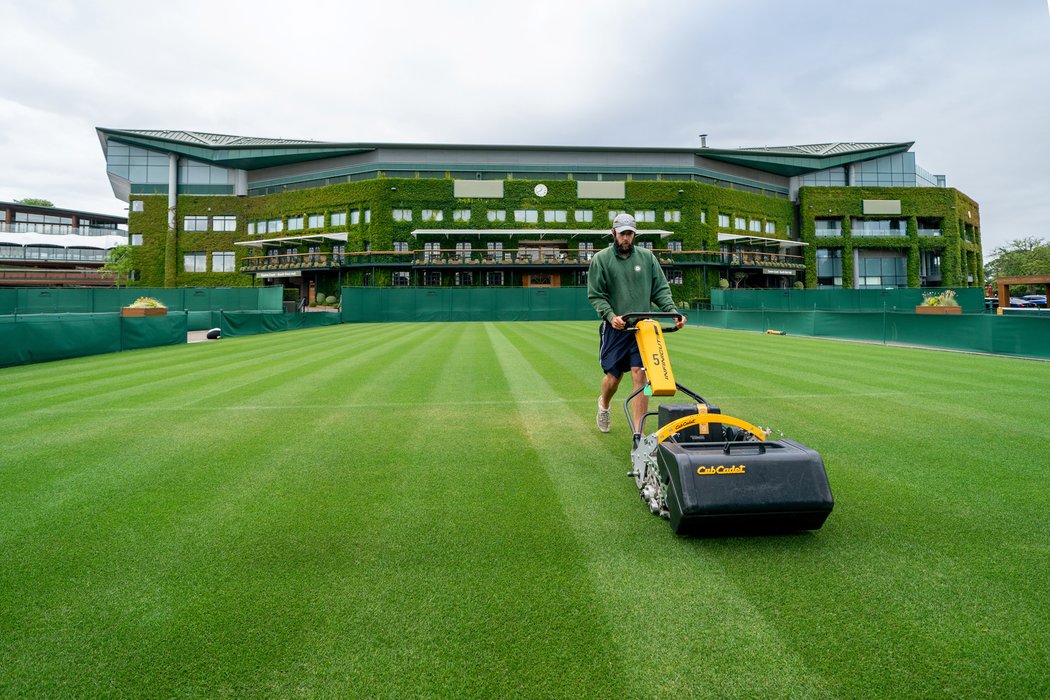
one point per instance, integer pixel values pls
(129, 311)
(940, 310)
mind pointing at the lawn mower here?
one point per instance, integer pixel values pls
(713, 474)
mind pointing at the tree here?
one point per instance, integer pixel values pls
(1024, 256)
(119, 263)
(35, 202)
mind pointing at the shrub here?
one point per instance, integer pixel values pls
(945, 298)
(330, 300)
(146, 303)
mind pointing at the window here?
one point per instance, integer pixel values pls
(555, 216)
(828, 228)
(675, 277)
(355, 217)
(263, 227)
(195, 262)
(829, 267)
(463, 250)
(431, 251)
(432, 278)
(647, 215)
(755, 226)
(585, 216)
(881, 268)
(674, 246)
(586, 251)
(703, 217)
(136, 205)
(195, 223)
(338, 218)
(526, 216)
(672, 216)
(723, 220)
(402, 215)
(494, 279)
(613, 214)
(464, 279)
(648, 245)
(224, 223)
(740, 223)
(367, 246)
(251, 228)
(497, 216)
(222, 262)
(461, 215)
(401, 278)
(136, 239)
(400, 247)
(316, 221)
(879, 227)
(771, 227)
(432, 215)
(368, 216)
(295, 223)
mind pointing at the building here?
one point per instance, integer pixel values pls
(209, 209)
(48, 246)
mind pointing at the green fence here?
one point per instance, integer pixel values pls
(971, 299)
(233, 323)
(1027, 336)
(377, 304)
(45, 337)
(35, 300)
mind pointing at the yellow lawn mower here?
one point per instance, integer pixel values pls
(713, 474)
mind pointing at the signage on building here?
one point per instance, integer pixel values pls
(282, 273)
(774, 271)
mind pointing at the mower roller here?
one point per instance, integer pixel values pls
(711, 474)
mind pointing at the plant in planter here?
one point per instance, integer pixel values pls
(144, 306)
(943, 303)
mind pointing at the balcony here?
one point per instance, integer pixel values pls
(292, 261)
(60, 229)
(31, 277)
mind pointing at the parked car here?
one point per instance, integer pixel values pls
(1037, 299)
(1019, 303)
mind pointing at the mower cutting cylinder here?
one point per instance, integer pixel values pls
(743, 487)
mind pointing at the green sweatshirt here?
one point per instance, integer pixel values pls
(617, 285)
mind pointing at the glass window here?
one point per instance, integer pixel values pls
(464, 279)
(275, 226)
(829, 267)
(586, 250)
(432, 215)
(461, 215)
(613, 213)
(675, 246)
(295, 223)
(400, 247)
(740, 223)
(675, 277)
(195, 262)
(646, 215)
(723, 220)
(648, 245)
(879, 227)
(195, 223)
(401, 278)
(402, 215)
(555, 216)
(431, 251)
(222, 262)
(584, 215)
(355, 217)
(754, 225)
(672, 216)
(316, 221)
(703, 216)
(497, 216)
(136, 205)
(224, 223)
(494, 279)
(338, 218)
(463, 249)
(827, 228)
(771, 227)
(526, 216)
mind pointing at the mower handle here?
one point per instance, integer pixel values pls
(631, 318)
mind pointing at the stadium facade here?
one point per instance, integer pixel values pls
(210, 209)
(48, 246)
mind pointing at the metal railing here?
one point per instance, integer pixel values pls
(60, 229)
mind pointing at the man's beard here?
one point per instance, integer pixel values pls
(625, 248)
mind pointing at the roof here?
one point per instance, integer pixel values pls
(252, 153)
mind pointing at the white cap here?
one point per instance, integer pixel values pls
(624, 222)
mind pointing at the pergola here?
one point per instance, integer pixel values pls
(1005, 283)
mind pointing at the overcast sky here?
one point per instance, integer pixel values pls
(966, 80)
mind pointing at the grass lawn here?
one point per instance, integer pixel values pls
(427, 510)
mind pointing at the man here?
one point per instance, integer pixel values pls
(622, 279)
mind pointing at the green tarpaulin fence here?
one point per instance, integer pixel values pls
(44, 337)
(35, 300)
(233, 323)
(971, 299)
(1027, 336)
(377, 304)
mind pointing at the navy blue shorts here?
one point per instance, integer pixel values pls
(617, 350)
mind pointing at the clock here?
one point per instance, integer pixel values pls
(540, 190)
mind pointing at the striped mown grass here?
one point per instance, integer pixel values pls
(415, 510)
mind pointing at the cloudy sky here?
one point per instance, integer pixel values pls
(967, 80)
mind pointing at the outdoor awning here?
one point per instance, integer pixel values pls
(293, 240)
(535, 232)
(757, 240)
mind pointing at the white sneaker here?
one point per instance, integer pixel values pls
(603, 417)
